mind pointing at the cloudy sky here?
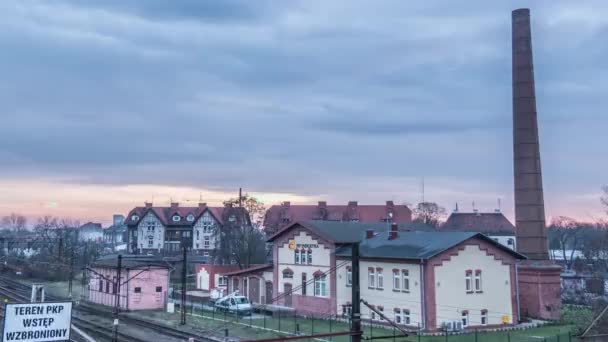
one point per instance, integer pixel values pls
(106, 104)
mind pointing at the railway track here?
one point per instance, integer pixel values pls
(18, 292)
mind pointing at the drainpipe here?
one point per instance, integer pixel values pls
(517, 290)
(422, 296)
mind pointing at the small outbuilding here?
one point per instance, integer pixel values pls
(143, 283)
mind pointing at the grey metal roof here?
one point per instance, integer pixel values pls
(130, 262)
(416, 245)
(349, 232)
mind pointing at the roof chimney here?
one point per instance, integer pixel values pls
(286, 204)
(322, 204)
(148, 204)
(202, 204)
(394, 227)
(369, 233)
(174, 205)
(352, 204)
(390, 204)
(392, 235)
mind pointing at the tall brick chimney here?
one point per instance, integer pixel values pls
(529, 202)
(538, 278)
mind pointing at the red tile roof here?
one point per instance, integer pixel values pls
(280, 216)
(488, 223)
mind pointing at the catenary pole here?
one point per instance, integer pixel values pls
(184, 271)
(356, 295)
(117, 298)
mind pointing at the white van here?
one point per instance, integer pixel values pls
(234, 304)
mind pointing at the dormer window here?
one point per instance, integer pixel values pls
(232, 218)
(134, 218)
(176, 218)
(190, 218)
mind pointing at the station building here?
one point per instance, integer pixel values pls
(144, 283)
(423, 279)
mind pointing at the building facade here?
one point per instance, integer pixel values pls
(280, 216)
(494, 224)
(144, 284)
(416, 278)
(116, 234)
(163, 230)
(90, 232)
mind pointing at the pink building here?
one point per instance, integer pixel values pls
(144, 283)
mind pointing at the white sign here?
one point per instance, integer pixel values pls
(37, 322)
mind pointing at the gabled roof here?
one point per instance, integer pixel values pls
(487, 223)
(130, 262)
(417, 245)
(344, 232)
(165, 214)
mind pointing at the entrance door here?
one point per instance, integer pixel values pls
(254, 290)
(287, 293)
(268, 292)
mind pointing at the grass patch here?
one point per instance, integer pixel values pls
(258, 326)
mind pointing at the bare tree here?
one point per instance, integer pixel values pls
(429, 213)
(239, 241)
(255, 208)
(566, 233)
(14, 222)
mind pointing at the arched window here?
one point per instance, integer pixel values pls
(309, 252)
(287, 274)
(296, 256)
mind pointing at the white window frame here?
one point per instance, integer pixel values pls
(371, 278)
(477, 283)
(302, 256)
(134, 218)
(190, 218)
(484, 317)
(206, 242)
(296, 256)
(150, 242)
(465, 319)
(320, 284)
(468, 281)
(406, 317)
(405, 280)
(222, 281)
(397, 280)
(176, 218)
(309, 254)
(379, 279)
(349, 277)
(397, 315)
(287, 275)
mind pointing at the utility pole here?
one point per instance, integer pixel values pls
(71, 272)
(84, 272)
(184, 271)
(356, 295)
(117, 298)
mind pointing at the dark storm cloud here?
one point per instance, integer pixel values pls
(328, 93)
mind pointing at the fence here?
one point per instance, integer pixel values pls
(290, 323)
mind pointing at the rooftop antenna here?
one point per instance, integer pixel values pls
(422, 189)
(456, 208)
(240, 197)
(499, 206)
